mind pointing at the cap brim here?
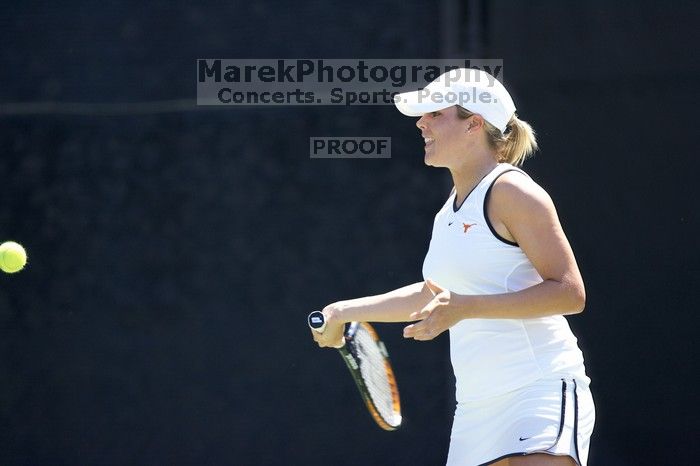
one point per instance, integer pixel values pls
(412, 104)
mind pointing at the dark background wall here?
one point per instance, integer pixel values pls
(174, 256)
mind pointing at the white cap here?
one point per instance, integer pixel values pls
(475, 90)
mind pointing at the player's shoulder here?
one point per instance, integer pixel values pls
(515, 190)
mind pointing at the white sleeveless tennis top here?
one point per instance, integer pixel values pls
(494, 356)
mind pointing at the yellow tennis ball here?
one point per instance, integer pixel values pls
(13, 257)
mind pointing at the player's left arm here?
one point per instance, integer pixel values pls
(528, 214)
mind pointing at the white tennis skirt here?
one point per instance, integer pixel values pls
(552, 416)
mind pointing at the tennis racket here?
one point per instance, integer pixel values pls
(368, 362)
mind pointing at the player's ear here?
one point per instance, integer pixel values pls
(473, 123)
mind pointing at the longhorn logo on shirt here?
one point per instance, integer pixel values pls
(467, 226)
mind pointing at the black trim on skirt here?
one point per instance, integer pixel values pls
(561, 429)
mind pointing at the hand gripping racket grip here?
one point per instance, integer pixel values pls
(317, 323)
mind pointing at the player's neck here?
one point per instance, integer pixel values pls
(466, 177)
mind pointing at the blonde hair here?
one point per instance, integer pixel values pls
(515, 145)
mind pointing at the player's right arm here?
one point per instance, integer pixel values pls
(394, 306)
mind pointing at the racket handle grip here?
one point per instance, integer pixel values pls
(317, 321)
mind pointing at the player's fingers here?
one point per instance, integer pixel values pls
(431, 332)
(415, 331)
(419, 315)
(424, 330)
(318, 338)
(434, 287)
(320, 343)
(425, 312)
(425, 335)
(339, 343)
(409, 331)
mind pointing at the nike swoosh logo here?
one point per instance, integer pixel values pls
(450, 224)
(524, 438)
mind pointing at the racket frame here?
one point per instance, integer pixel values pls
(354, 367)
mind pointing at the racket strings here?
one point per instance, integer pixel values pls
(374, 373)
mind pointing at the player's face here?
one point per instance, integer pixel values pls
(445, 137)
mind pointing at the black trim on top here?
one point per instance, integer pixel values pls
(455, 209)
(486, 199)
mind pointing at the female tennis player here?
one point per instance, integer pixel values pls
(500, 275)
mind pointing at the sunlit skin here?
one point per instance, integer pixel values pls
(448, 137)
(458, 145)
(537, 459)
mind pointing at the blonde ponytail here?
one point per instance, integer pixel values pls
(518, 143)
(515, 145)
